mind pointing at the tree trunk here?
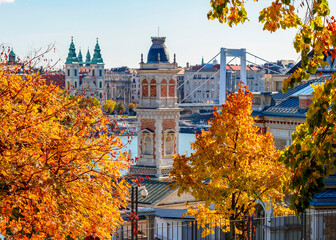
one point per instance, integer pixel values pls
(232, 229)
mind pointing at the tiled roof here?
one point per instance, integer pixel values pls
(281, 96)
(287, 104)
(327, 197)
(291, 105)
(157, 190)
(172, 213)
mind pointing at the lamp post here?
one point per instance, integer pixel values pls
(134, 208)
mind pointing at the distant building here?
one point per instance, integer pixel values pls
(85, 78)
(55, 77)
(122, 85)
(201, 82)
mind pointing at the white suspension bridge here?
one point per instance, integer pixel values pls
(224, 54)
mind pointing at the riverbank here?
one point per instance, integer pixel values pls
(128, 126)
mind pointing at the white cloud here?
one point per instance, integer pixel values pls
(6, 1)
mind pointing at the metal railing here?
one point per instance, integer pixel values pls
(312, 225)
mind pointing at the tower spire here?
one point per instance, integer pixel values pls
(72, 58)
(88, 58)
(97, 58)
(80, 57)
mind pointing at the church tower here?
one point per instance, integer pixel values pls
(72, 70)
(158, 113)
(97, 71)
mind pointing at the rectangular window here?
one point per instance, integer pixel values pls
(75, 83)
(68, 72)
(100, 73)
(100, 84)
(93, 73)
(75, 72)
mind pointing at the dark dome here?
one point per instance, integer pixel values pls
(158, 47)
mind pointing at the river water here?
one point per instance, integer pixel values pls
(184, 144)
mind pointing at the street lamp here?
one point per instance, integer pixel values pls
(134, 211)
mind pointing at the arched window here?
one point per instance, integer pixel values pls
(146, 142)
(171, 88)
(152, 88)
(163, 88)
(147, 148)
(169, 144)
(145, 88)
(100, 95)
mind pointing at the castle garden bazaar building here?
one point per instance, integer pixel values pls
(158, 113)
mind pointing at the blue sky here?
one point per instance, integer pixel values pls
(124, 29)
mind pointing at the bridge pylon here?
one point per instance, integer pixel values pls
(224, 53)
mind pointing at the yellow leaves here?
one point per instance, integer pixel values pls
(233, 165)
(231, 12)
(61, 179)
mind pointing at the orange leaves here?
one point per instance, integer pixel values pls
(56, 178)
(233, 165)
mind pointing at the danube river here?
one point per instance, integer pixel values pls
(184, 144)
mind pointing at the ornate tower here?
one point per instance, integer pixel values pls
(158, 113)
(97, 71)
(72, 70)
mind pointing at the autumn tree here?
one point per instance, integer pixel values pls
(311, 155)
(233, 167)
(120, 108)
(57, 180)
(85, 102)
(109, 106)
(131, 108)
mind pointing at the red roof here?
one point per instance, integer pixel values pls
(55, 78)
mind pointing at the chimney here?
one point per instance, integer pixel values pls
(305, 101)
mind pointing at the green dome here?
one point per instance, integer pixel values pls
(97, 58)
(72, 58)
(11, 56)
